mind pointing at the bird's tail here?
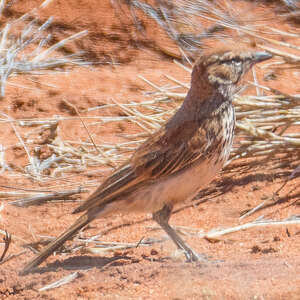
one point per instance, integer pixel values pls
(81, 222)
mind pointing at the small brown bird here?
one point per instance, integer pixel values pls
(178, 160)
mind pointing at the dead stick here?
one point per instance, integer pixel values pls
(25, 202)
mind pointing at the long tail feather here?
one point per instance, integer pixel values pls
(81, 222)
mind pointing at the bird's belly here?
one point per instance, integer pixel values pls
(189, 182)
(176, 188)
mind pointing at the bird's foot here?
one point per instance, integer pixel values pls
(192, 256)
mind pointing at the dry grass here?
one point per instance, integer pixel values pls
(263, 119)
(24, 47)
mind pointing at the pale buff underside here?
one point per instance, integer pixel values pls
(177, 188)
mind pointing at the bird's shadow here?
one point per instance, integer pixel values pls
(85, 263)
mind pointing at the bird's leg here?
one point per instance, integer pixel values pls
(162, 218)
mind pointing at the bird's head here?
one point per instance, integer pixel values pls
(222, 69)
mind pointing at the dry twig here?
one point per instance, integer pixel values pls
(65, 280)
(7, 241)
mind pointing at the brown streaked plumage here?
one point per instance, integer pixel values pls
(181, 158)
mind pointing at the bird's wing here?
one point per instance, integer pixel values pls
(159, 156)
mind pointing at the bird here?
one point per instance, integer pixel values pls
(180, 158)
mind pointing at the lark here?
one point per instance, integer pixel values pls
(178, 160)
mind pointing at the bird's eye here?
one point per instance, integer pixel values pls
(237, 61)
(234, 61)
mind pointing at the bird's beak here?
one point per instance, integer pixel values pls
(261, 56)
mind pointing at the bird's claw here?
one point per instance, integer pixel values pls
(192, 256)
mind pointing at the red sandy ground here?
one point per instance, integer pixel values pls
(259, 263)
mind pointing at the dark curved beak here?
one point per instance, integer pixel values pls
(261, 56)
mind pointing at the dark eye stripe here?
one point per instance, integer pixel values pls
(236, 59)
